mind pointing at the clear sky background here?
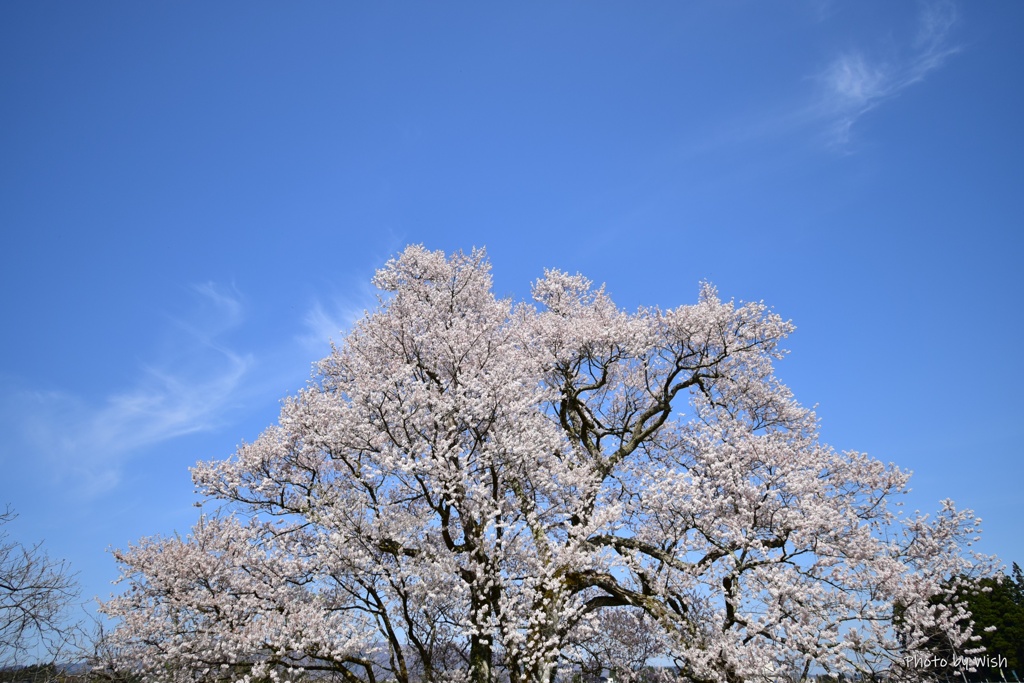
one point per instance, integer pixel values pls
(194, 196)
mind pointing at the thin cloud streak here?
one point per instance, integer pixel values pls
(330, 322)
(199, 384)
(824, 113)
(86, 445)
(856, 83)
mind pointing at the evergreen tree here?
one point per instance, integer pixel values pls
(995, 605)
(999, 603)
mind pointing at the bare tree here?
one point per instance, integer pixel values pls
(36, 597)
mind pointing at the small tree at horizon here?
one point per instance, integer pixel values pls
(36, 596)
(476, 490)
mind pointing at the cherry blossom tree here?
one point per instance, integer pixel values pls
(476, 490)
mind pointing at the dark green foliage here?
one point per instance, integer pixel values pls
(36, 673)
(993, 602)
(57, 673)
(1000, 603)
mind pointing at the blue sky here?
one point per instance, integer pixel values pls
(193, 197)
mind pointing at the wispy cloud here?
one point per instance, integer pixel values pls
(835, 93)
(196, 380)
(858, 81)
(226, 302)
(191, 389)
(328, 321)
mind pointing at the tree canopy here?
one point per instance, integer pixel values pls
(475, 490)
